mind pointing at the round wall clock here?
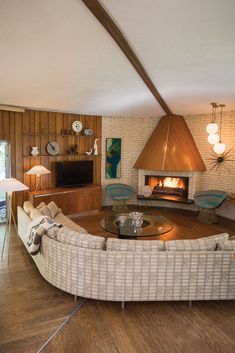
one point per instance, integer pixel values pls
(77, 126)
(53, 148)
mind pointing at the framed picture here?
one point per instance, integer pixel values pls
(113, 158)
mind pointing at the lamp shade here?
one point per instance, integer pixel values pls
(11, 184)
(212, 128)
(219, 148)
(38, 170)
(213, 139)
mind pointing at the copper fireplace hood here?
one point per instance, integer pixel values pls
(171, 147)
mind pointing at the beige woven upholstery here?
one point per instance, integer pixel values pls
(135, 275)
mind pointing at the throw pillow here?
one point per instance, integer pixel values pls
(205, 243)
(45, 211)
(54, 210)
(41, 205)
(226, 245)
(89, 241)
(34, 214)
(134, 245)
(27, 207)
(191, 245)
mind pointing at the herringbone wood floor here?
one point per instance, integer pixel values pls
(31, 309)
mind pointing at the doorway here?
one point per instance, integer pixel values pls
(4, 173)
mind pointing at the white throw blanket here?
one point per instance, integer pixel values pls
(37, 228)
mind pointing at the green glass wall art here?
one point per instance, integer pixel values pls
(113, 158)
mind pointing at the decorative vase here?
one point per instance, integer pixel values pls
(95, 148)
(34, 151)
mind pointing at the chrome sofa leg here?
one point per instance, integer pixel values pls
(123, 305)
(190, 304)
(75, 298)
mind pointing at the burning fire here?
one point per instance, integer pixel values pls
(167, 181)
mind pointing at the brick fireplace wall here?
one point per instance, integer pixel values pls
(135, 132)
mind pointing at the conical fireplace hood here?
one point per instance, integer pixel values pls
(171, 147)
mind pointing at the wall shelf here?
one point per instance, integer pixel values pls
(61, 155)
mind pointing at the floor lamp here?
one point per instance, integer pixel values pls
(38, 170)
(9, 186)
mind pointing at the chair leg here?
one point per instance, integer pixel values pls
(207, 216)
(120, 206)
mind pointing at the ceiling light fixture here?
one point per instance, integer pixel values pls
(212, 127)
(220, 147)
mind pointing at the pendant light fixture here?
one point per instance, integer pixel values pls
(220, 147)
(212, 127)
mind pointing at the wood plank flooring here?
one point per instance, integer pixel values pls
(31, 309)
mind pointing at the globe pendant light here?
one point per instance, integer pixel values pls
(212, 128)
(220, 147)
(213, 139)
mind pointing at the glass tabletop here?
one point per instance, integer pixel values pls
(152, 225)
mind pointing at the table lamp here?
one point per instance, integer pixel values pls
(9, 186)
(38, 170)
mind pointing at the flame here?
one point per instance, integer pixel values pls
(171, 182)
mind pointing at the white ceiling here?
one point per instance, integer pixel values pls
(56, 55)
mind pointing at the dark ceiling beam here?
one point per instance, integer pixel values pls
(103, 17)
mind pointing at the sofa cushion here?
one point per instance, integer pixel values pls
(67, 236)
(134, 245)
(205, 243)
(53, 209)
(45, 211)
(27, 207)
(226, 245)
(40, 206)
(67, 222)
(34, 214)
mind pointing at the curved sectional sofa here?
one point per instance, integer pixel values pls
(123, 270)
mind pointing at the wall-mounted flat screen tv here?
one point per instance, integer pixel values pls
(73, 173)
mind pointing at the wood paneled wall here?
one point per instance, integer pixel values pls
(37, 128)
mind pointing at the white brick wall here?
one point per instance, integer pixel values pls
(135, 132)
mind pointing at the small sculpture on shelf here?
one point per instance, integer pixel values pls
(95, 148)
(34, 151)
(88, 153)
(73, 150)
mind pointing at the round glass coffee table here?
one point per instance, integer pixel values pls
(152, 225)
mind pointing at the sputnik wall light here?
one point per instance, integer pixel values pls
(220, 147)
(212, 127)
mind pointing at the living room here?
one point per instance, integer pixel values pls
(78, 77)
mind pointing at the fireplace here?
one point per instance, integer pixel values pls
(166, 186)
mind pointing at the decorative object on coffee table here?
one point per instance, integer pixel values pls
(122, 225)
(113, 158)
(208, 201)
(119, 193)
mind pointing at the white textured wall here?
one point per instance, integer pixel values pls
(224, 177)
(135, 132)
